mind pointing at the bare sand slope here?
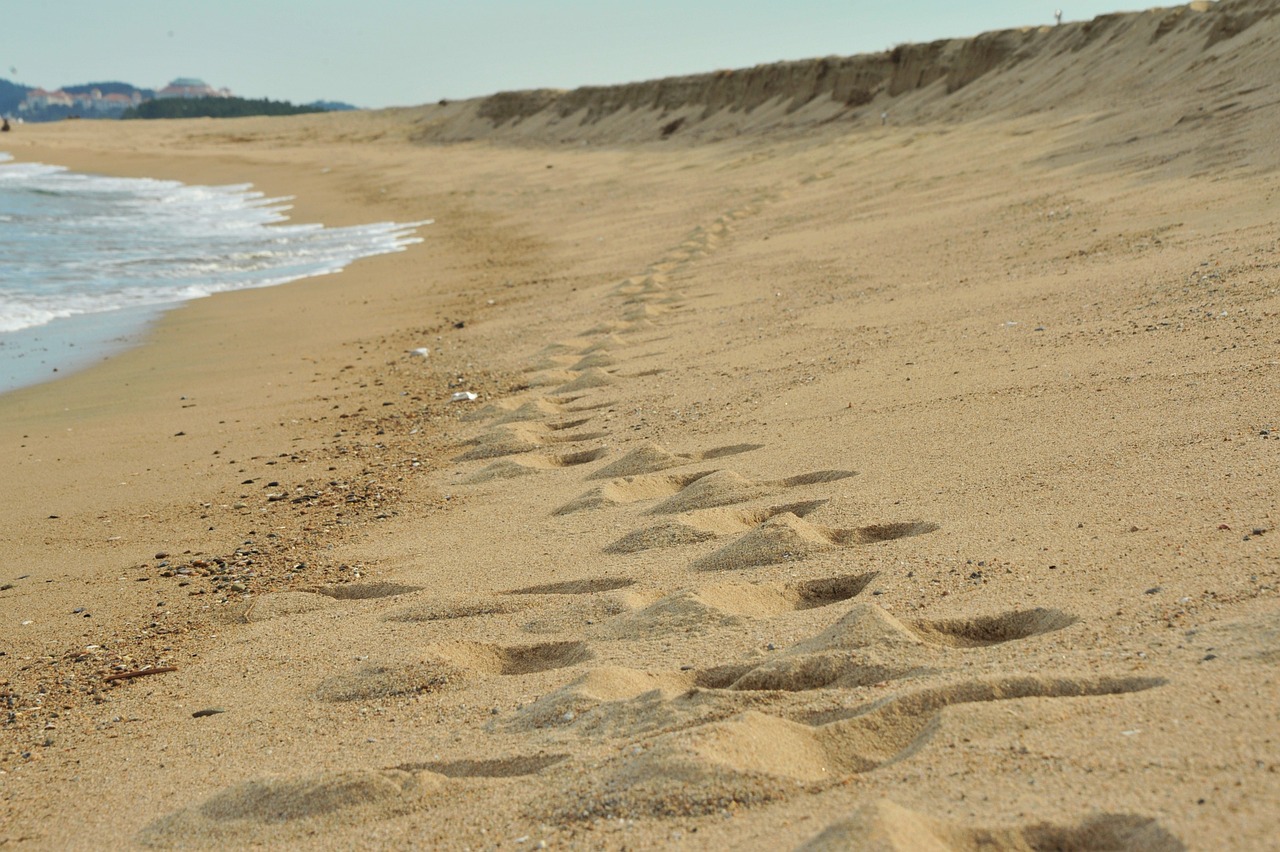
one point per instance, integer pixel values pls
(828, 486)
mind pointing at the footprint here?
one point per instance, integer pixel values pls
(276, 809)
(609, 685)
(532, 410)
(725, 487)
(651, 458)
(523, 438)
(788, 538)
(502, 767)
(888, 826)
(606, 343)
(365, 591)
(617, 328)
(703, 525)
(515, 468)
(629, 490)
(983, 631)
(587, 380)
(728, 604)
(868, 645)
(388, 681)
(278, 604)
(577, 587)
(600, 358)
(449, 610)
(511, 660)
(754, 758)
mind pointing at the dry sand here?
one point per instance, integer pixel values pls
(830, 483)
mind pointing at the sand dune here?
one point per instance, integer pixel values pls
(830, 482)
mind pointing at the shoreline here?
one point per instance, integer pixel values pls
(68, 343)
(804, 474)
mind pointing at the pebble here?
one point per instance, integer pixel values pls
(208, 711)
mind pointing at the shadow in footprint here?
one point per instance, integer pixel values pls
(983, 631)
(704, 525)
(576, 587)
(502, 767)
(512, 659)
(512, 469)
(787, 538)
(886, 819)
(365, 591)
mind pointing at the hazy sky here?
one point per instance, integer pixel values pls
(402, 52)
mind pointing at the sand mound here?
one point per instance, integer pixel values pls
(755, 757)
(668, 534)
(646, 458)
(588, 379)
(599, 686)
(278, 809)
(685, 612)
(630, 490)
(715, 489)
(784, 538)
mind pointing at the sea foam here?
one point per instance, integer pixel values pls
(75, 245)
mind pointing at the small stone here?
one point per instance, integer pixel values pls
(208, 711)
(1154, 590)
(1208, 657)
(238, 587)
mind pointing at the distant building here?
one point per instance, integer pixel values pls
(42, 99)
(190, 87)
(43, 105)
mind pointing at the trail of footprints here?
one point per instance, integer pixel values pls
(691, 740)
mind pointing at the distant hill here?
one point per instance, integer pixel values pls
(332, 106)
(115, 99)
(11, 94)
(214, 108)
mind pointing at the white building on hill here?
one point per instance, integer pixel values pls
(190, 87)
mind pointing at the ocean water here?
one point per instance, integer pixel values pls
(88, 262)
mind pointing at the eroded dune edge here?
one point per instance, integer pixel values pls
(870, 452)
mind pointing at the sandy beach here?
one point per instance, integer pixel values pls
(874, 453)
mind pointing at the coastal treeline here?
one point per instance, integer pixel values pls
(215, 108)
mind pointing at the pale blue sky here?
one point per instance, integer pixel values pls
(399, 52)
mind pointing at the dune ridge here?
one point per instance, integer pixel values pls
(1015, 71)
